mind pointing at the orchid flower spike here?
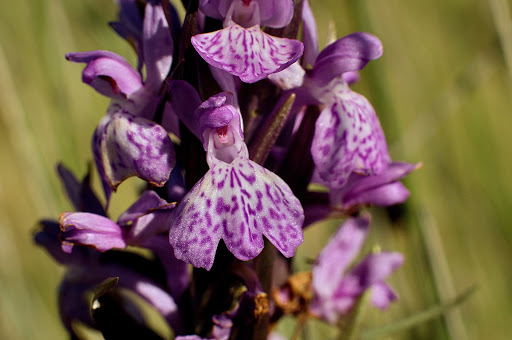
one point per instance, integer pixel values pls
(237, 200)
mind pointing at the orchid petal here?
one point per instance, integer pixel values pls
(184, 99)
(91, 230)
(237, 202)
(148, 216)
(309, 36)
(374, 269)
(275, 13)
(382, 295)
(107, 72)
(380, 190)
(386, 195)
(80, 193)
(48, 238)
(289, 78)
(227, 82)
(350, 53)
(158, 46)
(129, 26)
(243, 13)
(338, 254)
(126, 145)
(350, 77)
(217, 112)
(216, 9)
(348, 137)
(178, 276)
(72, 302)
(248, 53)
(190, 337)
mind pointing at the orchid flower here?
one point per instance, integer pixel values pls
(349, 147)
(127, 142)
(237, 200)
(139, 225)
(86, 268)
(142, 224)
(336, 289)
(242, 48)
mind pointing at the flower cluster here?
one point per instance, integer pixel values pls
(228, 118)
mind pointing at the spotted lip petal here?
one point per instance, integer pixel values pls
(125, 145)
(237, 202)
(348, 138)
(247, 53)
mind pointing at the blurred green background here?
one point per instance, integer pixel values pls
(443, 93)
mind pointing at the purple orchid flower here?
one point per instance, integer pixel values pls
(87, 269)
(75, 241)
(337, 289)
(348, 136)
(349, 147)
(237, 200)
(127, 142)
(242, 48)
(143, 224)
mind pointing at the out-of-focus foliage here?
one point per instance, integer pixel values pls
(443, 94)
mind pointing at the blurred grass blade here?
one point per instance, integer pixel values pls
(416, 319)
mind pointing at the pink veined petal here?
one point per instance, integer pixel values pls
(239, 203)
(127, 146)
(248, 53)
(348, 138)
